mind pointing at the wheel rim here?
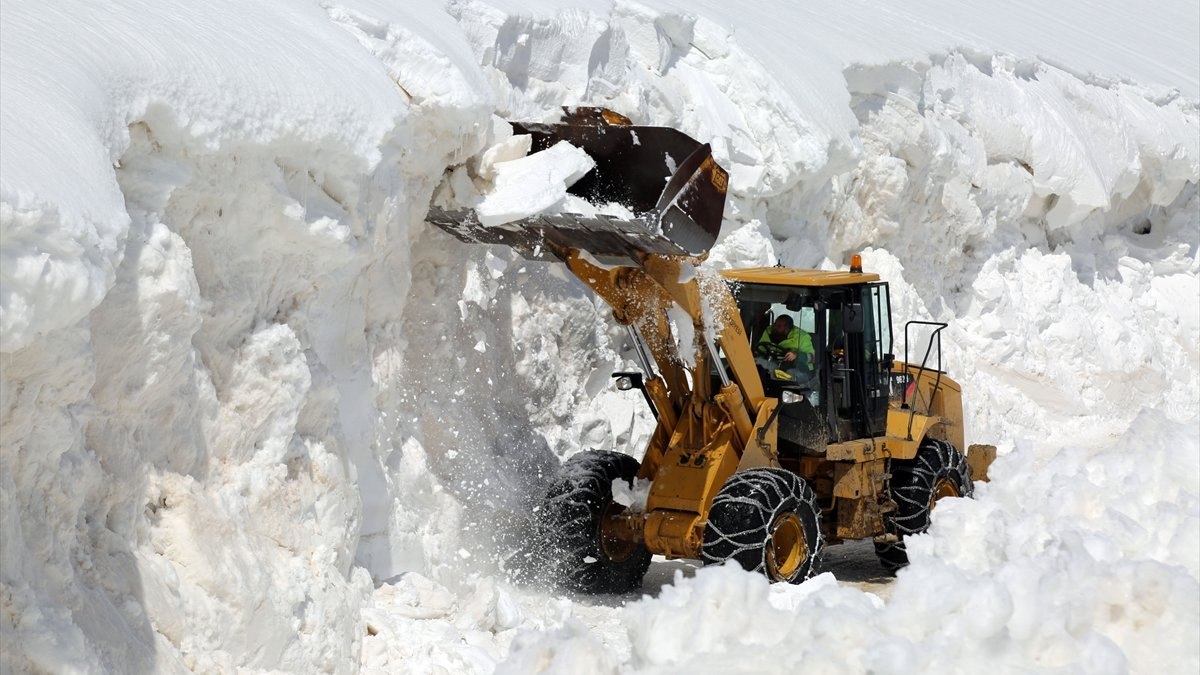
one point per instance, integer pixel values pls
(943, 488)
(613, 546)
(787, 550)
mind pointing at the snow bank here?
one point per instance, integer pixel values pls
(1052, 567)
(206, 214)
(256, 415)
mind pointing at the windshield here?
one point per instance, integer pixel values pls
(780, 322)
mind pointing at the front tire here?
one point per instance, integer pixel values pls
(768, 521)
(939, 470)
(570, 523)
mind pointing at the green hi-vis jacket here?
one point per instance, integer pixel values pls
(797, 341)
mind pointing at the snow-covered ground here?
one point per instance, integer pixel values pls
(256, 414)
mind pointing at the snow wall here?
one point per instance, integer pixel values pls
(256, 414)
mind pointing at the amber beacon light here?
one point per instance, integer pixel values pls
(856, 263)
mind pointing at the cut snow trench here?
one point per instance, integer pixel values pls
(249, 379)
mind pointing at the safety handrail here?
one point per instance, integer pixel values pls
(937, 381)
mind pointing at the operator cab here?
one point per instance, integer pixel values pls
(838, 388)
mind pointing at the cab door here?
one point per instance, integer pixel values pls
(857, 337)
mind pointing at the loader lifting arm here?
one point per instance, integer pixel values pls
(707, 432)
(640, 295)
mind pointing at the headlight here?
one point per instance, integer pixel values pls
(790, 397)
(624, 383)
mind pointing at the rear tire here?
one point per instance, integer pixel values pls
(569, 523)
(939, 470)
(768, 521)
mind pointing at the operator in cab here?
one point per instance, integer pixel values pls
(784, 336)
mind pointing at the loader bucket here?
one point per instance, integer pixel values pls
(669, 181)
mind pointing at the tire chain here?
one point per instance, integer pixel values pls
(913, 483)
(568, 523)
(752, 499)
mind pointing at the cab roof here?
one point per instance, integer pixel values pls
(786, 276)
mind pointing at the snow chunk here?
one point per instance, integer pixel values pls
(532, 184)
(632, 497)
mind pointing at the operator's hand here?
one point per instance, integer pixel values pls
(789, 357)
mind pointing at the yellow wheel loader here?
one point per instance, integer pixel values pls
(765, 450)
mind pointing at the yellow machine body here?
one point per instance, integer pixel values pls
(714, 417)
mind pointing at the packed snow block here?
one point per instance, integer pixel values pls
(507, 150)
(532, 184)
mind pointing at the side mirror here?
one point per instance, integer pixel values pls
(852, 318)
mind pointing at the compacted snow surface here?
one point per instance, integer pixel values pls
(256, 415)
